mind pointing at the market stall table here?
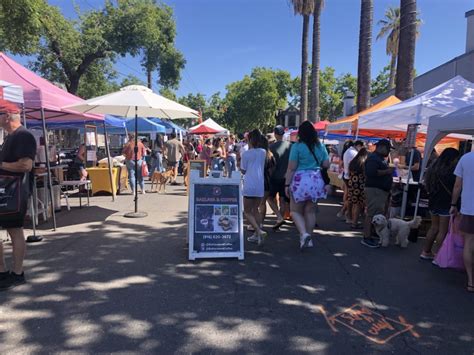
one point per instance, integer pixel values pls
(100, 180)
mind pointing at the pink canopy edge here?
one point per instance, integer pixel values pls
(40, 93)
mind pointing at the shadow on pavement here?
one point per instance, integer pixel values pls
(124, 286)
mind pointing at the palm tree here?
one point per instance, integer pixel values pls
(365, 52)
(304, 8)
(406, 50)
(390, 27)
(314, 104)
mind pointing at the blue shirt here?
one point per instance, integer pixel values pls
(305, 159)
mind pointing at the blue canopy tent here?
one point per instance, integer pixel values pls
(110, 121)
(170, 126)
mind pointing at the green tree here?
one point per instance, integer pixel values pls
(315, 64)
(304, 8)
(390, 27)
(365, 54)
(68, 50)
(331, 93)
(21, 25)
(382, 82)
(253, 101)
(147, 28)
(168, 93)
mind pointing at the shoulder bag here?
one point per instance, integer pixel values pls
(324, 171)
(14, 195)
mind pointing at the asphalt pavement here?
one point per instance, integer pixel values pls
(103, 283)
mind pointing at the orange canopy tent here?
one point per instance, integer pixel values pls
(349, 123)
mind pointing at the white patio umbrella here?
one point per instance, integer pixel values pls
(135, 101)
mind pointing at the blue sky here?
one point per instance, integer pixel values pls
(222, 40)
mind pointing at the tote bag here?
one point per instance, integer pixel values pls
(14, 194)
(450, 253)
(145, 171)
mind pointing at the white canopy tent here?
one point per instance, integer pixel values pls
(211, 124)
(11, 92)
(460, 121)
(448, 97)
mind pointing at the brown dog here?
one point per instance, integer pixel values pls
(160, 179)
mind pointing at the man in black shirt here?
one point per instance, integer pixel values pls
(415, 165)
(378, 182)
(16, 158)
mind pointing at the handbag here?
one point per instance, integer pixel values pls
(450, 253)
(145, 171)
(324, 171)
(14, 195)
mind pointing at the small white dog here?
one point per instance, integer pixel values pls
(394, 227)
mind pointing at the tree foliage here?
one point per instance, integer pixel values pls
(71, 51)
(21, 25)
(381, 83)
(332, 90)
(253, 101)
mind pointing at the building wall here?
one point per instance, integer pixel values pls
(462, 65)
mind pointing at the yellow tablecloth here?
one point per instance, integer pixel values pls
(100, 181)
(335, 181)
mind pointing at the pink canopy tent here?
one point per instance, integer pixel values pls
(40, 94)
(43, 101)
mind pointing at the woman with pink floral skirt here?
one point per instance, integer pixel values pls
(304, 182)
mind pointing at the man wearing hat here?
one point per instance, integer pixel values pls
(378, 184)
(281, 151)
(16, 158)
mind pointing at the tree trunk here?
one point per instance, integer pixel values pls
(406, 50)
(73, 84)
(314, 105)
(148, 78)
(304, 71)
(365, 52)
(393, 72)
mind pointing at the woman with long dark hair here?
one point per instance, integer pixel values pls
(343, 212)
(439, 183)
(356, 186)
(270, 164)
(252, 166)
(304, 182)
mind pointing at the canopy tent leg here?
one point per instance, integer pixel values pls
(48, 166)
(136, 214)
(111, 177)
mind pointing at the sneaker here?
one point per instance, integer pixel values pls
(253, 239)
(4, 275)
(369, 243)
(426, 256)
(261, 238)
(434, 262)
(143, 192)
(12, 280)
(304, 240)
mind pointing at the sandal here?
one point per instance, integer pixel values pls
(278, 224)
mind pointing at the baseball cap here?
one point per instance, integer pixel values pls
(386, 143)
(8, 107)
(279, 130)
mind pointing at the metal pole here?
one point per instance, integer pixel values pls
(109, 163)
(24, 115)
(407, 185)
(135, 149)
(50, 182)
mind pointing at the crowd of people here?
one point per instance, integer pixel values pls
(289, 177)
